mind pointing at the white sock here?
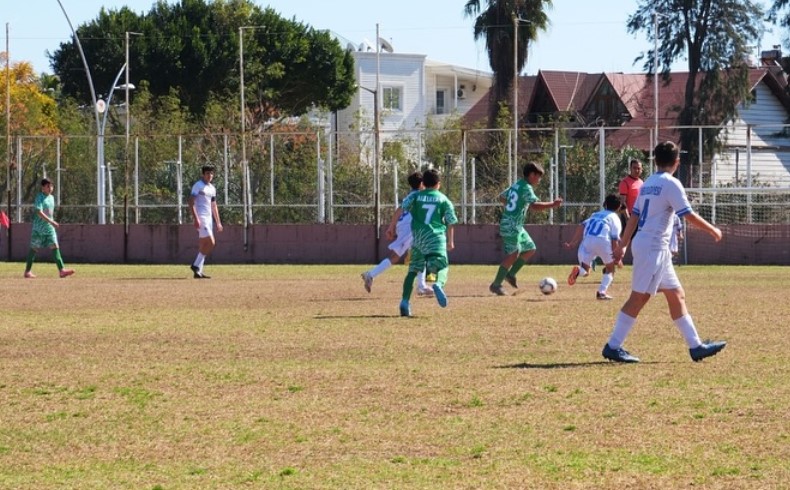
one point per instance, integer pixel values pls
(622, 326)
(686, 326)
(383, 265)
(199, 261)
(606, 281)
(421, 280)
(582, 272)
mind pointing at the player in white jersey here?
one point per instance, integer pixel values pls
(203, 203)
(599, 234)
(399, 232)
(661, 196)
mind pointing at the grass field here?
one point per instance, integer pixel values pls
(294, 377)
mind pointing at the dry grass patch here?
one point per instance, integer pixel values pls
(295, 377)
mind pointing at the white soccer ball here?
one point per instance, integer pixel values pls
(547, 285)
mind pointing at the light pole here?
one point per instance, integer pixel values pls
(516, 21)
(96, 106)
(376, 162)
(104, 109)
(127, 87)
(246, 198)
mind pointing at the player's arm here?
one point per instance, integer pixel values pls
(703, 224)
(623, 206)
(194, 211)
(540, 206)
(630, 227)
(46, 218)
(577, 235)
(390, 233)
(450, 237)
(215, 213)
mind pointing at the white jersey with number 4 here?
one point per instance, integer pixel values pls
(204, 194)
(661, 197)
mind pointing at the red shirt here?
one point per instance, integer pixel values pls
(629, 187)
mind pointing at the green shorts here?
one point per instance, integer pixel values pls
(44, 239)
(518, 243)
(432, 263)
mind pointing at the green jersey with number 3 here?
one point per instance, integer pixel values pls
(517, 198)
(431, 213)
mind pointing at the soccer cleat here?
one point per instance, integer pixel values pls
(511, 280)
(196, 272)
(707, 349)
(618, 355)
(203, 276)
(573, 275)
(426, 292)
(405, 309)
(441, 297)
(368, 280)
(430, 277)
(602, 296)
(66, 272)
(497, 289)
(29, 275)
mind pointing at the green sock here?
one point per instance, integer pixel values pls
(516, 267)
(408, 285)
(441, 277)
(58, 258)
(31, 256)
(500, 276)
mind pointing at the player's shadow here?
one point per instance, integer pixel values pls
(552, 365)
(351, 317)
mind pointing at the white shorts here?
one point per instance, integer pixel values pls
(206, 228)
(653, 270)
(595, 247)
(401, 244)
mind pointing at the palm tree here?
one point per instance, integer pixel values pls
(495, 24)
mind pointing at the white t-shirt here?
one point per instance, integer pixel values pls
(204, 194)
(403, 227)
(661, 197)
(603, 224)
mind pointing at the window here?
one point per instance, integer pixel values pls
(392, 99)
(440, 97)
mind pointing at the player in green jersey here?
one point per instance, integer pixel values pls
(43, 234)
(517, 243)
(432, 217)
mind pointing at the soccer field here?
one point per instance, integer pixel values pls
(294, 377)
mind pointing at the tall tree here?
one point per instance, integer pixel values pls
(192, 47)
(494, 24)
(714, 36)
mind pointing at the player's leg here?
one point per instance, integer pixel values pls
(31, 257)
(527, 249)
(59, 262)
(606, 280)
(440, 265)
(205, 246)
(676, 300)
(416, 264)
(584, 258)
(512, 253)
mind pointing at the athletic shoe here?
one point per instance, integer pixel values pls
(66, 272)
(368, 280)
(430, 277)
(203, 276)
(602, 296)
(497, 289)
(427, 292)
(441, 297)
(511, 280)
(573, 275)
(196, 272)
(618, 355)
(29, 275)
(405, 309)
(706, 349)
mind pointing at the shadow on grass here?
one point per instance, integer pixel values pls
(565, 365)
(351, 317)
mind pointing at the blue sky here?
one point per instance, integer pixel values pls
(583, 36)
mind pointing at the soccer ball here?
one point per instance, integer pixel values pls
(547, 285)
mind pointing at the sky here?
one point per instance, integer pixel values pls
(583, 35)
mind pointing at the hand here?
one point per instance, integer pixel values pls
(618, 253)
(450, 246)
(567, 245)
(55, 223)
(219, 227)
(390, 234)
(716, 234)
(197, 224)
(558, 202)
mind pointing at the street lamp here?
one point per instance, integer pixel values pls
(103, 108)
(127, 87)
(246, 198)
(376, 161)
(516, 21)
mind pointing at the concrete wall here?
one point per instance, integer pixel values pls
(356, 244)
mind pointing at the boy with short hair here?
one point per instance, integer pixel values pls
(203, 204)
(399, 233)
(601, 234)
(517, 243)
(433, 217)
(43, 234)
(661, 196)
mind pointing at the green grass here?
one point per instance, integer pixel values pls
(294, 377)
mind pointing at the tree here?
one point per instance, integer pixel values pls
(714, 35)
(192, 47)
(495, 24)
